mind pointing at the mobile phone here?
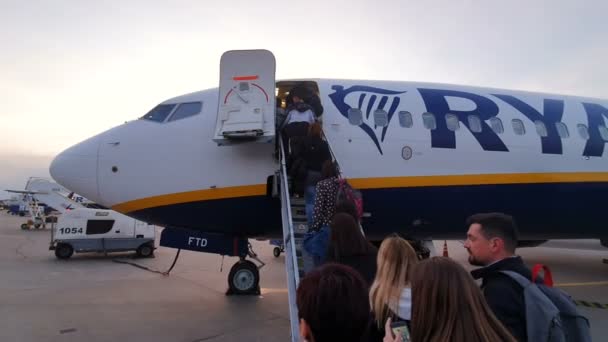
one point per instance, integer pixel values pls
(400, 329)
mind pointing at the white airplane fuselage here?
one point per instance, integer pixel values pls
(420, 173)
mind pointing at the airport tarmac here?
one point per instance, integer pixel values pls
(91, 298)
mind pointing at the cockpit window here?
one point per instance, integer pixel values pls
(159, 113)
(185, 110)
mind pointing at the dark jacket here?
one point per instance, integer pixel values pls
(364, 264)
(316, 152)
(504, 296)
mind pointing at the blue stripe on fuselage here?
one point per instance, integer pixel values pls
(542, 211)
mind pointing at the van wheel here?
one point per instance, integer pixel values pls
(63, 251)
(145, 251)
(24, 226)
(276, 252)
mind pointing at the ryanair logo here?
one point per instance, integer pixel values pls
(372, 109)
(360, 104)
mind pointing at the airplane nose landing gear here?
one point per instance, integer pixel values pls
(244, 279)
(244, 276)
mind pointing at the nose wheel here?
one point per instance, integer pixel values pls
(244, 279)
(244, 276)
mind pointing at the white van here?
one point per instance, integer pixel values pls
(95, 230)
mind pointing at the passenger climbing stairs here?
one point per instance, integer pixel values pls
(293, 213)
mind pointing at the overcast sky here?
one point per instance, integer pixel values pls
(71, 69)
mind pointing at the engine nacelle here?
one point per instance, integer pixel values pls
(530, 243)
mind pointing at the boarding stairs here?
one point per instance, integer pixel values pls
(52, 194)
(293, 213)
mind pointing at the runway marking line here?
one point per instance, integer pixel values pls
(589, 283)
(593, 305)
(588, 304)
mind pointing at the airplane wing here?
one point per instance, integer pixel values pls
(25, 192)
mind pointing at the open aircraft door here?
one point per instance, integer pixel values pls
(246, 104)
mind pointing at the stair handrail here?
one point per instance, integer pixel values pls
(291, 261)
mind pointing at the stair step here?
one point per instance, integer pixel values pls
(297, 201)
(298, 210)
(299, 217)
(300, 227)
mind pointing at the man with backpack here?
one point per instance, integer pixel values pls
(491, 242)
(531, 309)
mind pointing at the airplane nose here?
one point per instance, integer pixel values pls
(76, 168)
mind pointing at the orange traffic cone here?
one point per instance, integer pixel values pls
(445, 249)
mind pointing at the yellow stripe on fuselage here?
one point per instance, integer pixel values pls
(191, 196)
(369, 183)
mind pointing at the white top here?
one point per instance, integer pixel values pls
(404, 310)
(296, 116)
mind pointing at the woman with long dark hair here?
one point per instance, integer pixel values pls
(332, 305)
(348, 246)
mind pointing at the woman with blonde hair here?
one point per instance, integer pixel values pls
(390, 295)
(447, 305)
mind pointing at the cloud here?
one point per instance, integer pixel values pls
(73, 69)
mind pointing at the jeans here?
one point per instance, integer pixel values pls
(309, 198)
(316, 243)
(308, 261)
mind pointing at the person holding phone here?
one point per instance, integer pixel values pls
(447, 305)
(396, 331)
(391, 294)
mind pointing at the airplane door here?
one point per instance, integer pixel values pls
(246, 104)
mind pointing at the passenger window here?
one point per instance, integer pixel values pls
(355, 116)
(541, 129)
(603, 132)
(496, 125)
(452, 122)
(185, 110)
(159, 113)
(562, 130)
(380, 118)
(428, 119)
(474, 123)
(405, 119)
(99, 226)
(518, 127)
(583, 132)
